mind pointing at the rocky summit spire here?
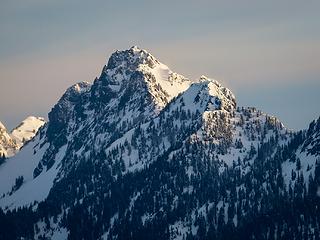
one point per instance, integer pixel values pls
(131, 58)
(137, 71)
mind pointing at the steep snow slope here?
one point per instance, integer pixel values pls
(22, 164)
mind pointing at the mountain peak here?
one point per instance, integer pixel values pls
(215, 88)
(136, 70)
(27, 129)
(131, 58)
(10, 143)
(136, 48)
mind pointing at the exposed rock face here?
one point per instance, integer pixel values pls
(312, 143)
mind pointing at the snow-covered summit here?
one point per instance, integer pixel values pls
(11, 142)
(27, 129)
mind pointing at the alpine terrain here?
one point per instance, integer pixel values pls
(145, 153)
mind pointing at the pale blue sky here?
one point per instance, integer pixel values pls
(266, 52)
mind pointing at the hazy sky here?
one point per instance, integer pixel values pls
(266, 52)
